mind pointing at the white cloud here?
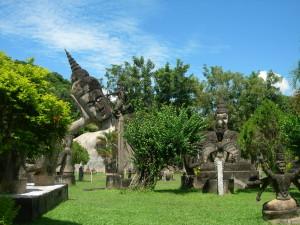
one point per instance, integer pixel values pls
(283, 85)
(112, 39)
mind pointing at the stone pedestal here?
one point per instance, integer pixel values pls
(242, 173)
(116, 181)
(281, 212)
(65, 179)
(211, 186)
(38, 200)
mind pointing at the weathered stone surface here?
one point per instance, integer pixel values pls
(279, 205)
(212, 187)
(116, 181)
(38, 200)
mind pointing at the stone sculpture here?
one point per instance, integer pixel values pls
(219, 149)
(283, 209)
(221, 142)
(94, 107)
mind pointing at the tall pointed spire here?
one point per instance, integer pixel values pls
(74, 65)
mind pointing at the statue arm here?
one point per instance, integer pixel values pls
(266, 169)
(83, 112)
(265, 182)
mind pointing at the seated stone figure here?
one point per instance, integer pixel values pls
(284, 206)
(221, 141)
(221, 144)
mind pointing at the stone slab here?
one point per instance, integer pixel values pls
(116, 181)
(37, 200)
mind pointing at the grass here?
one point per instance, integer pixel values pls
(91, 204)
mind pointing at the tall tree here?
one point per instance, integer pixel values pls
(135, 79)
(174, 87)
(32, 119)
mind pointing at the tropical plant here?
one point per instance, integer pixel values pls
(158, 137)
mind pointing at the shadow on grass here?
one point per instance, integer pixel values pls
(94, 189)
(252, 190)
(48, 221)
(178, 191)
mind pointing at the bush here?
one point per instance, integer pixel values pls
(159, 137)
(79, 154)
(8, 211)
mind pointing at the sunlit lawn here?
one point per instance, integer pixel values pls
(91, 204)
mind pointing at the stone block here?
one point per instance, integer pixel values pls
(37, 200)
(116, 181)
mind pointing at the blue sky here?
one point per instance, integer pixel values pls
(241, 36)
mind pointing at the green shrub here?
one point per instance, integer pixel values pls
(79, 154)
(8, 211)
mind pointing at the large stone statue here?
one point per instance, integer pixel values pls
(283, 209)
(221, 141)
(219, 156)
(94, 107)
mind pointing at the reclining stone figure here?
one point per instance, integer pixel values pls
(94, 107)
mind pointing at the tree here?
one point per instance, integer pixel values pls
(242, 94)
(296, 77)
(158, 137)
(263, 132)
(135, 78)
(224, 85)
(173, 87)
(32, 120)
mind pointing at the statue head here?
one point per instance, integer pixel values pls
(77, 72)
(221, 117)
(280, 160)
(88, 93)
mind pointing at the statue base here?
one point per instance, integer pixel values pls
(281, 212)
(243, 174)
(116, 181)
(65, 179)
(212, 186)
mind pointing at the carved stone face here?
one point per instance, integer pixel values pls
(221, 124)
(280, 166)
(97, 106)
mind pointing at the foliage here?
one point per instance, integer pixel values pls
(242, 94)
(79, 154)
(107, 146)
(290, 131)
(159, 136)
(32, 120)
(172, 86)
(296, 77)
(8, 210)
(135, 78)
(30, 116)
(145, 87)
(61, 88)
(263, 132)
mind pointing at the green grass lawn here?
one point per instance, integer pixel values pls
(166, 205)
